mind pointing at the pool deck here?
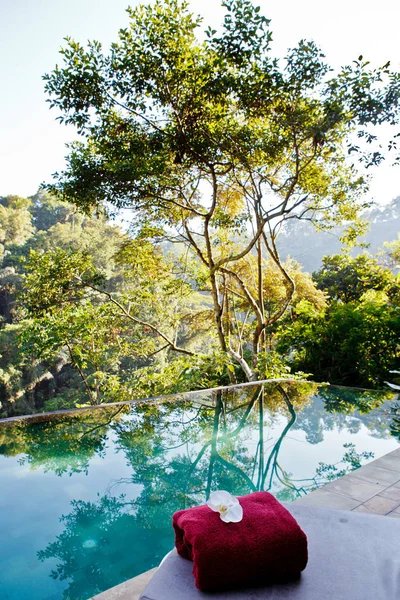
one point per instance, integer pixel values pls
(374, 488)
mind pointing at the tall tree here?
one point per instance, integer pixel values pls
(213, 141)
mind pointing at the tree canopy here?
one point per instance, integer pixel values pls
(347, 279)
(214, 144)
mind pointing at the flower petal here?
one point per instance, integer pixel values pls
(220, 497)
(234, 514)
(233, 501)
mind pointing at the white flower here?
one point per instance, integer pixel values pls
(227, 505)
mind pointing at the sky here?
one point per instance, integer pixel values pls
(32, 142)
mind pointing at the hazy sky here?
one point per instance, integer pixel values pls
(32, 31)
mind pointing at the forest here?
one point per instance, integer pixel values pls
(92, 312)
(152, 264)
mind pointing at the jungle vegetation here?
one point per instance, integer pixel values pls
(212, 146)
(91, 314)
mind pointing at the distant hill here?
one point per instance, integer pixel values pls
(302, 242)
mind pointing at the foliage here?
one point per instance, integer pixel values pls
(81, 294)
(84, 306)
(183, 373)
(70, 304)
(351, 344)
(392, 249)
(347, 279)
(15, 221)
(214, 145)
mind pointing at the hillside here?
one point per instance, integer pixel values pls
(302, 242)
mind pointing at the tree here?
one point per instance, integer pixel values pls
(347, 279)
(30, 379)
(352, 344)
(392, 250)
(68, 304)
(215, 145)
(47, 211)
(15, 221)
(15, 230)
(70, 293)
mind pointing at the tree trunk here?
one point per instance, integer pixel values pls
(250, 374)
(258, 337)
(218, 312)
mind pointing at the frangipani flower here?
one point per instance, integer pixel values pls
(227, 505)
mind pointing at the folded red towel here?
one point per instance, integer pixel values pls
(266, 546)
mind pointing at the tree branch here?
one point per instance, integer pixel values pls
(75, 364)
(140, 322)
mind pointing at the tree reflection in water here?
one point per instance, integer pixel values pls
(179, 451)
(64, 443)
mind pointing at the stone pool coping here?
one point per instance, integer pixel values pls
(374, 488)
(45, 416)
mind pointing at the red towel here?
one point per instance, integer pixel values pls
(266, 546)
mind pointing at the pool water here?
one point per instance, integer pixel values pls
(86, 498)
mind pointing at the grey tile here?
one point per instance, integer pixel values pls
(395, 452)
(394, 515)
(378, 475)
(390, 461)
(380, 506)
(362, 509)
(391, 492)
(354, 488)
(328, 499)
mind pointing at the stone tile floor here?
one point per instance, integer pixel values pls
(374, 488)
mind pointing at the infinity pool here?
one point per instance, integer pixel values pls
(87, 497)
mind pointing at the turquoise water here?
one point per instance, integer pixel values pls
(86, 498)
